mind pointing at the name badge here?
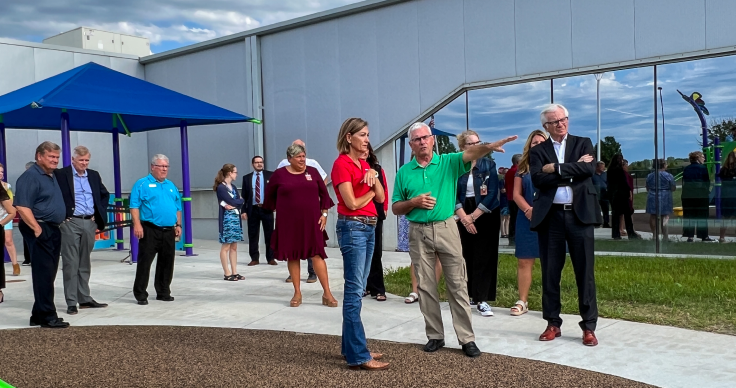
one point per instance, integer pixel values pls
(309, 177)
(484, 190)
(151, 185)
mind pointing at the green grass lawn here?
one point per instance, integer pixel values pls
(697, 294)
(673, 247)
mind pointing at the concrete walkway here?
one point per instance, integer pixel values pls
(663, 356)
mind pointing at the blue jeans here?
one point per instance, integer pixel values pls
(356, 244)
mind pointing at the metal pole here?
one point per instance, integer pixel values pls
(402, 149)
(5, 175)
(552, 91)
(187, 194)
(118, 200)
(66, 152)
(598, 99)
(656, 167)
(664, 144)
(467, 115)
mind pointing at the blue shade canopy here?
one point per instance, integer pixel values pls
(438, 132)
(92, 94)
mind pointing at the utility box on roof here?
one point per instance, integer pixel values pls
(94, 39)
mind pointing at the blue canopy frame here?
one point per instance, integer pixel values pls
(94, 98)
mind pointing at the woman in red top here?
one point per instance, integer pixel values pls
(299, 196)
(356, 186)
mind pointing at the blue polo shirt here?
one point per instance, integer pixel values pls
(157, 201)
(40, 192)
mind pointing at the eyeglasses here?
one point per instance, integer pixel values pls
(556, 122)
(161, 166)
(421, 139)
(472, 144)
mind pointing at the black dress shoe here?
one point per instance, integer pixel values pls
(57, 323)
(72, 310)
(707, 239)
(471, 350)
(93, 304)
(165, 298)
(434, 345)
(143, 302)
(26, 263)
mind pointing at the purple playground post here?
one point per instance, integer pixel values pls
(5, 176)
(717, 154)
(66, 152)
(119, 238)
(186, 199)
(133, 246)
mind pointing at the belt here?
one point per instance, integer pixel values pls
(368, 220)
(84, 217)
(430, 223)
(561, 206)
(154, 226)
(258, 205)
(47, 223)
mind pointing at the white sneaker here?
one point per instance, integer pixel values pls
(485, 309)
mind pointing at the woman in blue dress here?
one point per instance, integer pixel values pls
(527, 245)
(664, 192)
(231, 227)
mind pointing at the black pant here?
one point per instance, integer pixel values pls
(604, 209)
(513, 210)
(375, 277)
(695, 217)
(44, 252)
(480, 252)
(26, 254)
(618, 210)
(560, 227)
(156, 241)
(257, 217)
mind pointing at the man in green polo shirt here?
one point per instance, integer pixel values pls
(424, 191)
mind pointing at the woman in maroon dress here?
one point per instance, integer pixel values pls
(299, 196)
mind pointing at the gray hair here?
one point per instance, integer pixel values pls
(550, 109)
(81, 151)
(294, 150)
(159, 157)
(418, 125)
(516, 158)
(29, 165)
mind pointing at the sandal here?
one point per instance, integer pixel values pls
(381, 297)
(721, 240)
(516, 310)
(413, 297)
(230, 278)
(239, 276)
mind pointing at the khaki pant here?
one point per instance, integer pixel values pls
(441, 238)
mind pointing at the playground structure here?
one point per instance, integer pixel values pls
(94, 98)
(713, 152)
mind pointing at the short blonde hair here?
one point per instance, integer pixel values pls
(462, 139)
(351, 126)
(294, 150)
(694, 156)
(81, 151)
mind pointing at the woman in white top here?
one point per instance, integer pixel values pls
(9, 227)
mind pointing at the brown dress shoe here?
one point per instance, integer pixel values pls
(370, 365)
(252, 263)
(550, 333)
(16, 269)
(589, 338)
(272, 262)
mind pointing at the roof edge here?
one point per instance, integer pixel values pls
(318, 17)
(46, 46)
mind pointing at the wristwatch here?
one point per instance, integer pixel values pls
(324, 214)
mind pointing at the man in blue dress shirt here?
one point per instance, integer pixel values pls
(155, 206)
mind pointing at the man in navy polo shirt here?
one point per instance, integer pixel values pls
(41, 207)
(155, 206)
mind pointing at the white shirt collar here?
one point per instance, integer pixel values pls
(564, 139)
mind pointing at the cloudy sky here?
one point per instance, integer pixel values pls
(166, 23)
(627, 107)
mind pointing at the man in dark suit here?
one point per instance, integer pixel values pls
(85, 198)
(254, 189)
(565, 213)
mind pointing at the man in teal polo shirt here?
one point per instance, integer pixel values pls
(424, 191)
(155, 206)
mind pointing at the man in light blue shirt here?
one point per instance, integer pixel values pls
(155, 206)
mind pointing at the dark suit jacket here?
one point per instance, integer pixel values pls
(695, 181)
(100, 195)
(572, 173)
(248, 190)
